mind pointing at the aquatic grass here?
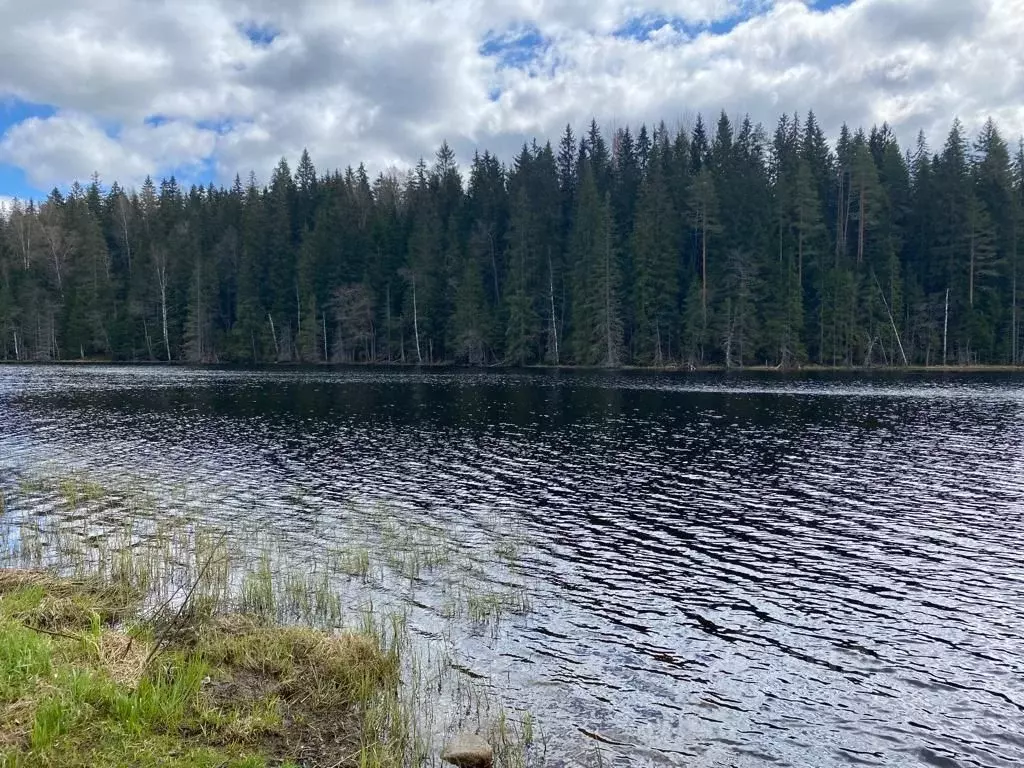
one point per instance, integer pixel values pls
(32, 484)
(352, 561)
(485, 607)
(77, 490)
(195, 584)
(507, 550)
(258, 596)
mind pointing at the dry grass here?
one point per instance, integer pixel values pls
(297, 692)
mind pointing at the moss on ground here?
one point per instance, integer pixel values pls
(81, 685)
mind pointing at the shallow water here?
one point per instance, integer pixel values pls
(724, 571)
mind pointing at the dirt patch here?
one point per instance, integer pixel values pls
(276, 710)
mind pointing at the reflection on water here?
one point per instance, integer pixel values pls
(723, 571)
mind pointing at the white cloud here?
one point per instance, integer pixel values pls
(72, 145)
(385, 82)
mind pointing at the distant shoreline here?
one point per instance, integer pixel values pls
(810, 368)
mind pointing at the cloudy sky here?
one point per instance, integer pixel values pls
(208, 88)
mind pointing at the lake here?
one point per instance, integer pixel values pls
(722, 570)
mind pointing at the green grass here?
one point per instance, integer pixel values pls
(258, 596)
(353, 561)
(76, 690)
(77, 490)
(486, 607)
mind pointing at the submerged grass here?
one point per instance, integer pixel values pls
(133, 635)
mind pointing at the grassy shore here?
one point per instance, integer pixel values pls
(131, 636)
(84, 682)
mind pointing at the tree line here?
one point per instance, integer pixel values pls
(724, 245)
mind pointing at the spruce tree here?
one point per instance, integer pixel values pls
(655, 250)
(521, 316)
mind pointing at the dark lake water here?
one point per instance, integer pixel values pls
(724, 571)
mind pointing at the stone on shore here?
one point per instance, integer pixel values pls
(468, 751)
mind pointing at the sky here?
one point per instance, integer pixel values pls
(205, 89)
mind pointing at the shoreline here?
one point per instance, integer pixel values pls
(437, 367)
(133, 627)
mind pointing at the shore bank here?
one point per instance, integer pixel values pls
(90, 680)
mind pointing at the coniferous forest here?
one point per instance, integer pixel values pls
(725, 244)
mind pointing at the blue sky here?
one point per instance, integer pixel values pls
(213, 91)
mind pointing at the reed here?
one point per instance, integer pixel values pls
(134, 630)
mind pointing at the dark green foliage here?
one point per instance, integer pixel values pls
(719, 245)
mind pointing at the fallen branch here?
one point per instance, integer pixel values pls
(162, 637)
(53, 633)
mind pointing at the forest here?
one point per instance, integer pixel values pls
(724, 244)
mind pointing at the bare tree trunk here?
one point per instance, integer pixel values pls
(55, 253)
(494, 269)
(839, 220)
(161, 274)
(970, 280)
(704, 263)
(1014, 331)
(608, 296)
(388, 296)
(149, 339)
(53, 336)
(373, 341)
(728, 339)
(327, 358)
(273, 335)
(25, 240)
(416, 323)
(551, 298)
(891, 320)
(945, 330)
(848, 197)
(821, 329)
(122, 205)
(17, 352)
(800, 253)
(860, 225)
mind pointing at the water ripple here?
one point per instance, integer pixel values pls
(740, 571)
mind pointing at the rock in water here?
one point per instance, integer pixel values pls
(468, 751)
